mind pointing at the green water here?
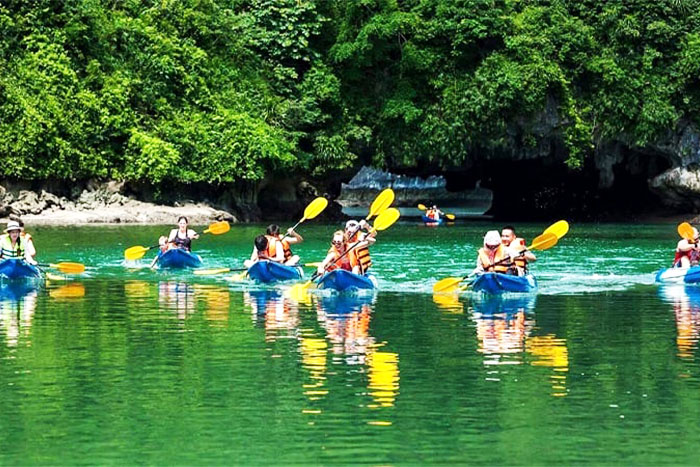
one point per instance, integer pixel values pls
(125, 365)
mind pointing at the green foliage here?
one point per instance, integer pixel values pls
(222, 91)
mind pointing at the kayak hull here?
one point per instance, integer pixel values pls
(178, 258)
(16, 268)
(269, 271)
(679, 275)
(342, 280)
(431, 221)
(495, 283)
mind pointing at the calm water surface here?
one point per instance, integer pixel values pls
(128, 365)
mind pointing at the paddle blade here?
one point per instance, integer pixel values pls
(686, 231)
(386, 219)
(209, 272)
(312, 265)
(135, 252)
(449, 284)
(69, 268)
(237, 277)
(559, 229)
(218, 228)
(544, 242)
(315, 207)
(422, 207)
(381, 202)
(450, 216)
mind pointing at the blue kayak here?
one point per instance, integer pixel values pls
(496, 283)
(17, 268)
(269, 271)
(16, 290)
(178, 258)
(679, 275)
(341, 280)
(431, 221)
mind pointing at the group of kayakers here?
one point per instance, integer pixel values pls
(505, 253)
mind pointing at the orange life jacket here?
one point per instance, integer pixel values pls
(361, 252)
(347, 261)
(285, 245)
(490, 265)
(271, 251)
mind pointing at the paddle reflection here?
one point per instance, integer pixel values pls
(502, 325)
(551, 351)
(686, 307)
(217, 300)
(18, 302)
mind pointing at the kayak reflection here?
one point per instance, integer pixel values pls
(278, 314)
(502, 325)
(177, 296)
(686, 307)
(18, 302)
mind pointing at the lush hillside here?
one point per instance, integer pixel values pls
(221, 91)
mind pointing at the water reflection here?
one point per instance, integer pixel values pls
(177, 297)
(502, 325)
(271, 309)
(18, 302)
(686, 307)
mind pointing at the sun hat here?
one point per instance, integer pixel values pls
(351, 224)
(13, 225)
(492, 237)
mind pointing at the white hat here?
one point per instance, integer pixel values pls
(492, 237)
(351, 224)
(13, 225)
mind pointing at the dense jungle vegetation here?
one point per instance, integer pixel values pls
(223, 91)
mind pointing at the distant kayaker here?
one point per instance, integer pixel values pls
(360, 236)
(266, 248)
(179, 238)
(434, 213)
(688, 252)
(339, 256)
(15, 245)
(517, 251)
(290, 238)
(493, 257)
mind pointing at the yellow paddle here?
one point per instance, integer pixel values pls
(543, 242)
(423, 208)
(136, 252)
(685, 230)
(383, 221)
(66, 268)
(381, 203)
(314, 208)
(559, 228)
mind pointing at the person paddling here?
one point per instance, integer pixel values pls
(493, 257)
(290, 238)
(687, 252)
(179, 238)
(266, 248)
(337, 257)
(517, 251)
(359, 237)
(14, 245)
(434, 213)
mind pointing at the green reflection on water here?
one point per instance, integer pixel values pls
(136, 366)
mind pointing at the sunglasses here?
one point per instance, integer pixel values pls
(336, 243)
(491, 247)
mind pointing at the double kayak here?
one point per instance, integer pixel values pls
(342, 280)
(431, 221)
(679, 275)
(495, 283)
(178, 258)
(269, 271)
(17, 268)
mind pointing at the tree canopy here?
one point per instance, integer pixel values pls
(222, 91)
